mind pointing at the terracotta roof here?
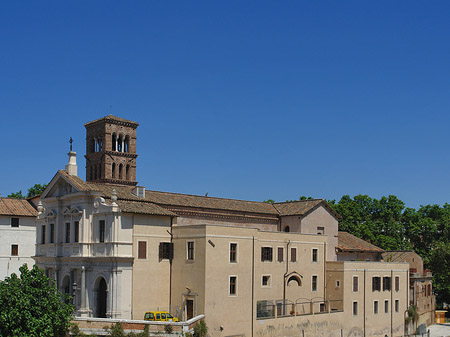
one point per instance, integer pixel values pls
(399, 255)
(111, 118)
(187, 200)
(143, 208)
(168, 199)
(17, 207)
(296, 207)
(350, 243)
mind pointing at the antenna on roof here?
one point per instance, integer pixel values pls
(206, 194)
(71, 141)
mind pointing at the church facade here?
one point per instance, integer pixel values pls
(122, 250)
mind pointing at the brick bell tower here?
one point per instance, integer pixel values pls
(111, 151)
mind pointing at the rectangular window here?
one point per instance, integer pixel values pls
(190, 250)
(397, 283)
(101, 231)
(320, 230)
(376, 283)
(233, 285)
(233, 252)
(314, 283)
(396, 305)
(355, 284)
(386, 283)
(293, 254)
(375, 307)
(165, 251)
(43, 234)
(266, 253)
(355, 308)
(76, 231)
(52, 233)
(314, 255)
(265, 280)
(67, 232)
(280, 254)
(14, 250)
(386, 306)
(142, 249)
(14, 222)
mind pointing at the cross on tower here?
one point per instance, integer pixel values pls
(71, 141)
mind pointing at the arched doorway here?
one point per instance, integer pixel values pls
(101, 298)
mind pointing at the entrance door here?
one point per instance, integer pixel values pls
(189, 309)
(101, 299)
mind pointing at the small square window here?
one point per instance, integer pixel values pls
(293, 254)
(233, 285)
(165, 251)
(266, 254)
(14, 250)
(142, 249)
(320, 230)
(190, 250)
(265, 280)
(280, 254)
(14, 222)
(314, 283)
(355, 308)
(314, 254)
(233, 252)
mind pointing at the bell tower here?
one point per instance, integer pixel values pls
(111, 151)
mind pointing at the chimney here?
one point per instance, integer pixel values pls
(71, 167)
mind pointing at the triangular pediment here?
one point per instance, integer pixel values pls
(59, 186)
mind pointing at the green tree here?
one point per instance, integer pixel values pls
(413, 316)
(17, 195)
(37, 189)
(439, 263)
(31, 305)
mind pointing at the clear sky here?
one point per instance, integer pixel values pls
(240, 99)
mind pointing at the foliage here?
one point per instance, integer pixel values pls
(116, 330)
(168, 328)
(439, 262)
(200, 329)
(37, 189)
(17, 195)
(31, 305)
(413, 315)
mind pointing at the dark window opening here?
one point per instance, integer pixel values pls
(233, 252)
(190, 250)
(142, 249)
(165, 250)
(14, 250)
(376, 283)
(77, 230)
(67, 232)
(101, 234)
(280, 254)
(14, 222)
(233, 285)
(266, 253)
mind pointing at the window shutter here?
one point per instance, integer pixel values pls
(142, 249)
(170, 250)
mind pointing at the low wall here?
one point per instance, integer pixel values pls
(318, 325)
(95, 326)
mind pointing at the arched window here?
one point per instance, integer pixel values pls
(287, 229)
(114, 142)
(113, 171)
(128, 172)
(120, 171)
(294, 279)
(100, 144)
(120, 144)
(92, 145)
(101, 298)
(126, 144)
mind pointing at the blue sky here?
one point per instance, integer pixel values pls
(240, 99)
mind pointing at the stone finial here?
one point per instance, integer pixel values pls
(40, 207)
(114, 195)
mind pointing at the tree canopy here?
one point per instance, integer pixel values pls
(390, 225)
(37, 189)
(31, 305)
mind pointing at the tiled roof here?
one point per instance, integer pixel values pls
(112, 118)
(399, 255)
(187, 200)
(296, 207)
(17, 207)
(173, 200)
(143, 208)
(350, 243)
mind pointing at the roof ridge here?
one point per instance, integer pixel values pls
(205, 196)
(292, 201)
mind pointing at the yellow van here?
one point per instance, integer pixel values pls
(162, 316)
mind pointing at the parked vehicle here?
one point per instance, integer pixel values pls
(163, 316)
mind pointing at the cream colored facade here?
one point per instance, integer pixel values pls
(253, 269)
